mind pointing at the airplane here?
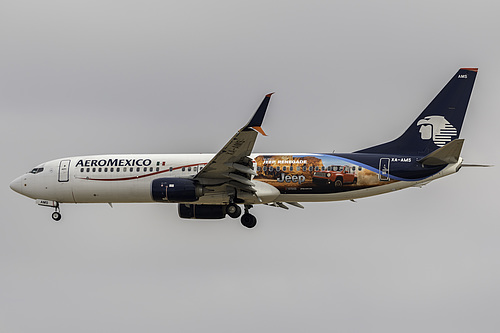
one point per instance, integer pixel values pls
(213, 186)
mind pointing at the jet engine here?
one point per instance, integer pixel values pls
(175, 190)
(190, 211)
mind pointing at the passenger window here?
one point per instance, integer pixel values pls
(145, 169)
(88, 169)
(304, 168)
(316, 168)
(189, 168)
(111, 169)
(271, 168)
(264, 168)
(277, 168)
(117, 169)
(157, 169)
(284, 168)
(138, 169)
(93, 169)
(105, 169)
(81, 170)
(195, 168)
(183, 169)
(124, 169)
(310, 168)
(170, 169)
(100, 169)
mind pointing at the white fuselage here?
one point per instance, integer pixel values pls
(128, 178)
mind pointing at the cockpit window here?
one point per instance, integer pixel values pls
(36, 170)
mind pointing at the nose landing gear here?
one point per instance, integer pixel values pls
(56, 216)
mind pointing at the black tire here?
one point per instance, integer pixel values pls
(355, 180)
(248, 220)
(56, 216)
(338, 182)
(234, 211)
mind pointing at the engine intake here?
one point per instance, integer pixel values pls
(175, 190)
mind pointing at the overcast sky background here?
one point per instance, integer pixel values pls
(99, 77)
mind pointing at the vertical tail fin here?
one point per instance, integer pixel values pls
(439, 123)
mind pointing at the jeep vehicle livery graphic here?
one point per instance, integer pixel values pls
(336, 175)
(315, 173)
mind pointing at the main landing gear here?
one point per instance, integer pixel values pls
(247, 219)
(233, 210)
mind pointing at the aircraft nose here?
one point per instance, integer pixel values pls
(17, 185)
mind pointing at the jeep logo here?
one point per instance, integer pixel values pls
(294, 179)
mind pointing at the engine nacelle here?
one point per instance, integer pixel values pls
(191, 211)
(175, 190)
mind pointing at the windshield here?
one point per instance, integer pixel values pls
(38, 169)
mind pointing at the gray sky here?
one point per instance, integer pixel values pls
(97, 77)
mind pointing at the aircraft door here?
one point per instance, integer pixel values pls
(63, 175)
(383, 169)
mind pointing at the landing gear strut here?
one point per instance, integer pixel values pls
(56, 216)
(247, 219)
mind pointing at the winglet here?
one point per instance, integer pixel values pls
(258, 117)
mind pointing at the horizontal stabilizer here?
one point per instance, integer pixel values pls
(448, 154)
(470, 165)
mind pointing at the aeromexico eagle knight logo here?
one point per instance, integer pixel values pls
(437, 128)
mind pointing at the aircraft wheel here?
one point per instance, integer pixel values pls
(248, 220)
(234, 211)
(56, 216)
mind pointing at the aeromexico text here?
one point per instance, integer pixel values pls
(114, 162)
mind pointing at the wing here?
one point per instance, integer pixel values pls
(232, 165)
